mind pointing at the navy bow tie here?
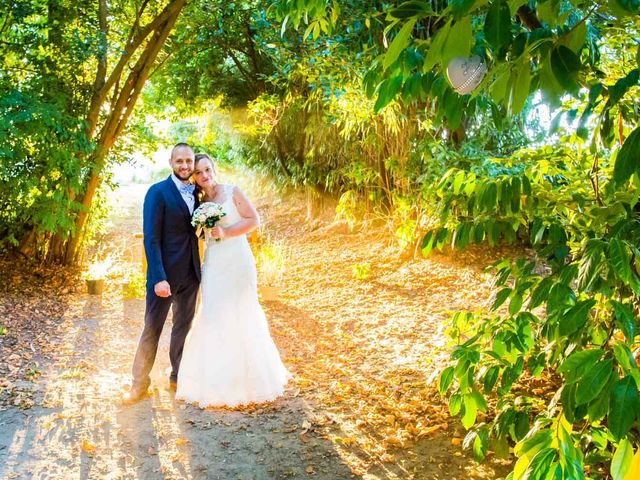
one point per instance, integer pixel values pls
(187, 188)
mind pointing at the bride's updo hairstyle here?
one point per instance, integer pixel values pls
(197, 159)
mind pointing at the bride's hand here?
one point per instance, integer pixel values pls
(218, 232)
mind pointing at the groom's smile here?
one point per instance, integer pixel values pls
(182, 162)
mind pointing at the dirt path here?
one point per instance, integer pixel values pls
(364, 353)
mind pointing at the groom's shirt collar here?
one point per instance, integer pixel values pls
(176, 180)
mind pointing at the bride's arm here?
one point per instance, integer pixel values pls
(250, 218)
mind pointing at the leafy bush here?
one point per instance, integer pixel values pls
(271, 262)
(40, 169)
(361, 271)
(134, 286)
(554, 371)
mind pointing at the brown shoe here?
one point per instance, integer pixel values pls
(137, 393)
(173, 385)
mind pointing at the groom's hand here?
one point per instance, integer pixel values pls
(162, 289)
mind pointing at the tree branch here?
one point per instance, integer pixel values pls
(129, 51)
(529, 17)
(245, 73)
(101, 73)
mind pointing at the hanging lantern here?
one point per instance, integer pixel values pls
(465, 74)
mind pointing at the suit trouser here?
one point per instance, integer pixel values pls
(183, 303)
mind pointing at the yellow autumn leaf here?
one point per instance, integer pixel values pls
(181, 441)
(87, 447)
(394, 440)
(634, 469)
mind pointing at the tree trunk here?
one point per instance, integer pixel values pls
(123, 102)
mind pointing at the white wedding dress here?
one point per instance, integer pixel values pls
(229, 357)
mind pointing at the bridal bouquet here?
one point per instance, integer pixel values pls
(206, 216)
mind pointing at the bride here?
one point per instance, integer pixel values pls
(229, 358)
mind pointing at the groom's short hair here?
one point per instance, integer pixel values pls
(180, 145)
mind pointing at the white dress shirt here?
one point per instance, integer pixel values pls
(188, 198)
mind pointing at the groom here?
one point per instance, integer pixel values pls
(173, 268)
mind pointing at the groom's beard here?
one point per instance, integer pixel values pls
(181, 176)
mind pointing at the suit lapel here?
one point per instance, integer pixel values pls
(178, 198)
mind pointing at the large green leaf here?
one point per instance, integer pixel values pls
(548, 12)
(413, 8)
(575, 39)
(528, 448)
(621, 264)
(520, 84)
(565, 65)
(540, 465)
(568, 400)
(427, 243)
(453, 109)
(490, 378)
(623, 407)
(461, 235)
(459, 40)
(593, 382)
(497, 25)
(434, 54)
(625, 358)
(575, 364)
(591, 264)
(625, 319)
(470, 411)
(460, 7)
(480, 444)
(622, 86)
(455, 404)
(500, 85)
(622, 8)
(560, 296)
(540, 292)
(628, 159)
(599, 407)
(445, 379)
(399, 43)
(570, 456)
(515, 304)
(575, 317)
(387, 92)
(516, 192)
(621, 461)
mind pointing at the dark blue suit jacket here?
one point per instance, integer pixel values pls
(170, 242)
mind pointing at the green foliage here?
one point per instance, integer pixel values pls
(271, 262)
(361, 271)
(567, 318)
(549, 46)
(351, 99)
(134, 287)
(67, 88)
(40, 167)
